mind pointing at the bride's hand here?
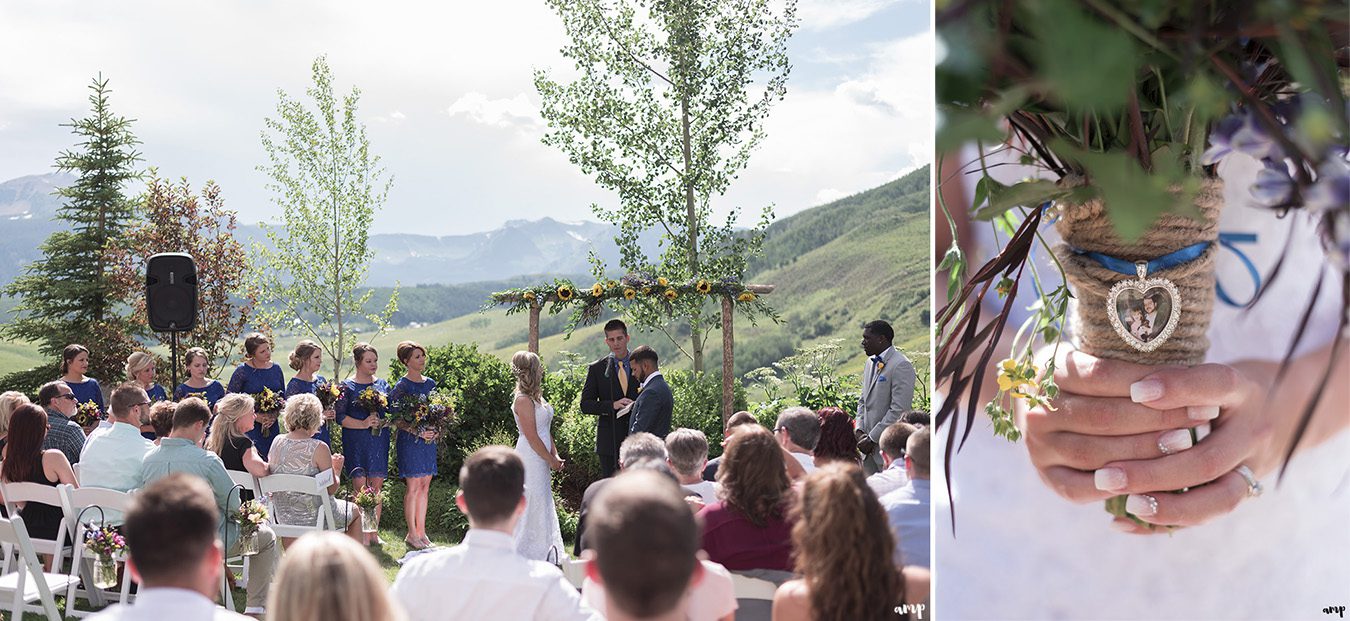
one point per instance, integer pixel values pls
(555, 463)
(1099, 443)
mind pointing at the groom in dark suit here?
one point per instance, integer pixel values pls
(651, 412)
(610, 387)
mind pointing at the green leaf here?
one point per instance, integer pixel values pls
(1025, 194)
(1088, 63)
(958, 126)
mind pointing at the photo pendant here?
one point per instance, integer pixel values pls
(1144, 312)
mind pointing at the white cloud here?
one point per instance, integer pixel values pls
(826, 14)
(829, 194)
(517, 112)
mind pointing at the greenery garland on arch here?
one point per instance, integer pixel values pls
(588, 302)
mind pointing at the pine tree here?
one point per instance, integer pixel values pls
(67, 296)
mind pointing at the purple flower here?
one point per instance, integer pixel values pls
(1273, 186)
(1331, 191)
(1220, 140)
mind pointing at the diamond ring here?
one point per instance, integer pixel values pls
(1254, 488)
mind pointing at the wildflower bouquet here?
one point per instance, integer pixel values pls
(374, 402)
(87, 414)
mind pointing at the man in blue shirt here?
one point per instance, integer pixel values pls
(182, 452)
(907, 507)
(112, 457)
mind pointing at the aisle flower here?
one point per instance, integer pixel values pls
(250, 516)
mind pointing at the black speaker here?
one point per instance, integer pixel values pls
(171, 292)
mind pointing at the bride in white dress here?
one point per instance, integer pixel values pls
(538, 535)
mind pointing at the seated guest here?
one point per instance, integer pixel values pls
(843, 553)
(26, 461)
(688, 454)
(161, 419)
(182, 452)
(918, 418)
(328, 577)
(65, 436)
(797, 431)
(748, 528)
(234, 418)
(907, 507)
(837, 441)
(733, 423)
(301, 452)
(112, 458)
(497, 583)
(641, 446)
(645, 563)
(175, 556)
(8, 401)
(892, 446)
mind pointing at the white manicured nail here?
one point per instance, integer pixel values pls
(1174, 441)
(1202, 412)
(1109, 479)
(1144, 391)
(1141, 505)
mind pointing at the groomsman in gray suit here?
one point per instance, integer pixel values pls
(887, 390)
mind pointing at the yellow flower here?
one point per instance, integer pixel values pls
(1009, 365)
(565, 293)
(529, 296)
(671, 294)
(703, 287)
(745, 296)
(646, 290)
(629, 294)
(597, 290)
(1004, 382)
(611, 284)
(663, 282)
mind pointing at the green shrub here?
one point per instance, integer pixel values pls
(698, 404)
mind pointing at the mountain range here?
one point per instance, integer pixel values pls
(28, 207)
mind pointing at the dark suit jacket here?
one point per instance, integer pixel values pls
(598, 395)
(652, 411)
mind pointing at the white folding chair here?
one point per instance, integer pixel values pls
(746, 587)
(28, 582)
(74, 502)
(298, 484)
(247, 480)
(575, 571)
(25, 492)
(76, 468)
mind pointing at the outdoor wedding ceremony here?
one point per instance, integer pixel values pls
(537, 310)
(630, 310)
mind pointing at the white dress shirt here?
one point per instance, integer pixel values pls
(707, 490)
(155, 604)
(484, 578)
(807, 461)
(907, 511)
(714, 597)
(890, 479)
(112, 459)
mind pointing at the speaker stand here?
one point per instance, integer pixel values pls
(173, 354)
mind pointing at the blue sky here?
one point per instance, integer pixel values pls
(447, 98)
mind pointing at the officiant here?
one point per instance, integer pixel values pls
(610, 388)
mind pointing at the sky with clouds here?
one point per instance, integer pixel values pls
(447, 98)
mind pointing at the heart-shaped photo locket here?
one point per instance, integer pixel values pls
(1144, 312)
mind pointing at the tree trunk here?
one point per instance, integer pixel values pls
(692, 215)
(337, 291)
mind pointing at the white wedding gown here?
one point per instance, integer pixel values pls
(537, 534)
(1022, 552)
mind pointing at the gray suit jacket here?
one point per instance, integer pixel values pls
(885, 395)
(652, 410)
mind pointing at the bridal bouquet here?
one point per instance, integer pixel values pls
(87, 414)
(372, 401)
(270, 403)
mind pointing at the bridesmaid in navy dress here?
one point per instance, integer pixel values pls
(365, 439)
(197, 365)
(416, 450)
(74, 363)
(140, 368)
(256, 373)
(306, 361)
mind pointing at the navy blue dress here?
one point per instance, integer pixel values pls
(298, 386)
(416, 457)
(156, 393)
(363, 450)
(249, 380)
(88, 390)
(212, 393)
